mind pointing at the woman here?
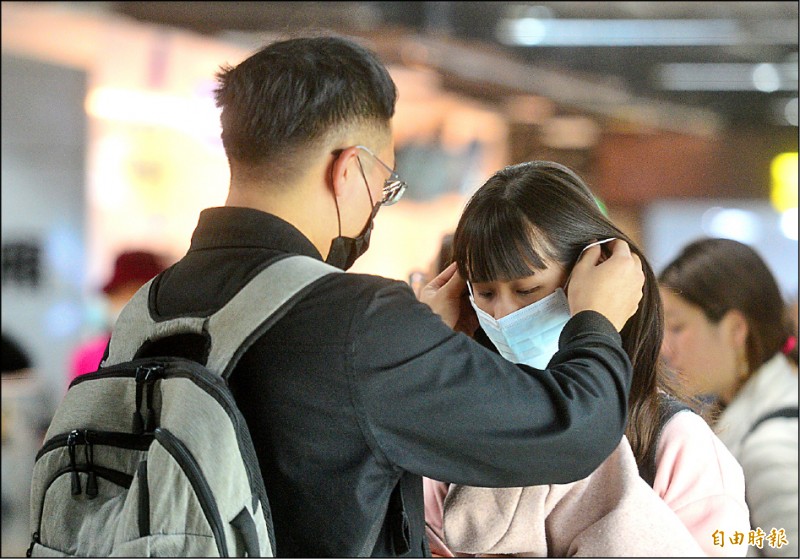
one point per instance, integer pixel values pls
(729, 339)
(515, 244)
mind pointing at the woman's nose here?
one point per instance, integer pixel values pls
(504, 307)
(666, 349)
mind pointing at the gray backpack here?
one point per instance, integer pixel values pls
(149, 456)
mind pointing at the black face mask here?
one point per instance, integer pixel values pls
(345, 250)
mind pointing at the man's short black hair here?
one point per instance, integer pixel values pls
(292, 92)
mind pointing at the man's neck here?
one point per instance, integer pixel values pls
(292, 209)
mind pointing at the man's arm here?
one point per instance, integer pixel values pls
(437, 403)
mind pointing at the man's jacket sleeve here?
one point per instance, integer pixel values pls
(437, 403)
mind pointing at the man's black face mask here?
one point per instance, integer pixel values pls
(345, 251)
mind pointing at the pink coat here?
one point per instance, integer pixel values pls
(699, 478)
(613, 512)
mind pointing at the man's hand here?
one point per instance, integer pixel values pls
(612, 287)
(447, 296)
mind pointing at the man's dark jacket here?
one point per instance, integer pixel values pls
(360, 390)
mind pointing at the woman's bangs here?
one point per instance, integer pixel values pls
(501, 249)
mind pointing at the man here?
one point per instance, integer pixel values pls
(361, 389)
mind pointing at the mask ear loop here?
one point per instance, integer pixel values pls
(587, 247)
(335, 200)
(478, 310)
(366, 183)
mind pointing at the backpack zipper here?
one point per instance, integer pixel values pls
(191, 468)
(91, 481)
(144, 500)
(34, 541)
(71, 443)
(110, 438)
(146, 376)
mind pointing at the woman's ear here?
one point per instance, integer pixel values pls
(343, 170)
(735, 327)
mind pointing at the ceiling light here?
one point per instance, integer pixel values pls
(713, 76)
(732, 223)
(766, 78)
(790, 111)
(531, 31)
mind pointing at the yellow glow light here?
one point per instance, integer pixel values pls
(193, 115)
(783, 190)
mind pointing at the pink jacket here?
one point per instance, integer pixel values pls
(613, 512)
(699, 478)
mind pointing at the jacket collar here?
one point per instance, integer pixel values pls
(233, 227)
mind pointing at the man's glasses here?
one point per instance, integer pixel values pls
(394, 186)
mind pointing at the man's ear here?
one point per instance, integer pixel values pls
(344, 171)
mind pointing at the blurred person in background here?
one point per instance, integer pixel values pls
(132, 269)
(24, 422)
(16, 366)
(792, 313)
(444, 257)
(24, 398)
(417, 279)
(516, 244)
(729, 339)
(16, 361)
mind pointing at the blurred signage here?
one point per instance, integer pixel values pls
(22, 263)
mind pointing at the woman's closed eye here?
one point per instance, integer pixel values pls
(529, 291)
(675, 327)
(489, 293)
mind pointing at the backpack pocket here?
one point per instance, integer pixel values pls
(167, 545)
(108, 487)
(92, 478)
(163, 464)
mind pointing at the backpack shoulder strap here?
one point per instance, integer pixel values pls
(257, 306)
(787, 412)
(668, 407)
(272, 292)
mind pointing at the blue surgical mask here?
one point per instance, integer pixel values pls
(528, 335)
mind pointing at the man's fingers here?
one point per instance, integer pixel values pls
(443, 294)
(620, 247)
(589, 256)
(445, 276)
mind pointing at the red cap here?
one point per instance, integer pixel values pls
(134, 266)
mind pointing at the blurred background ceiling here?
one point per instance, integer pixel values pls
(737, 60)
